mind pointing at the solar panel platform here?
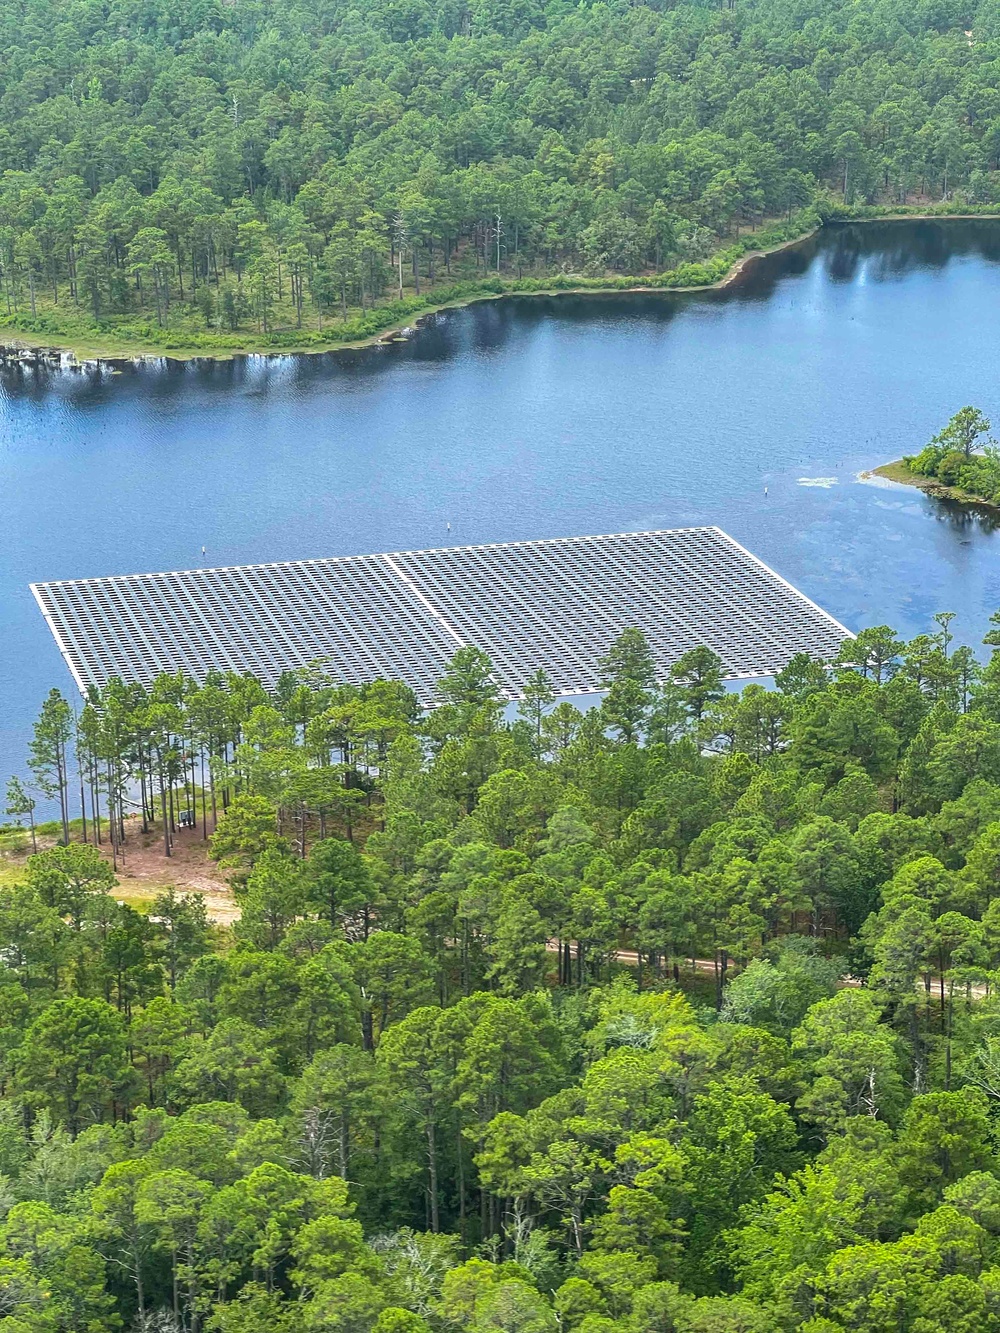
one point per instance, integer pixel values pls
(557, 604)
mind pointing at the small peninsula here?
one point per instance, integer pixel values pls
(961, 462)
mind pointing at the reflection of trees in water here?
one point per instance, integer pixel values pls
(489, 325)
(440, 337)
(758, 280)
(36, 381)
(161, 379)
(962, 519)
(897, 248)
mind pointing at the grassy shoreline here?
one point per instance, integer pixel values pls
(898, 472)
(19, 334)
(95, 345)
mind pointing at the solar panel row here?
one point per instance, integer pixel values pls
(557, 604)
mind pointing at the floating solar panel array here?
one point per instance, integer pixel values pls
(557, 604)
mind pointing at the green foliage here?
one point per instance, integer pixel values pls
(523, 1025)
(294, 175)
(954, 457)
(73, 1061)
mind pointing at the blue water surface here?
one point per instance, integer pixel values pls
(754, 409)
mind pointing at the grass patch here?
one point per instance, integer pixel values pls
(52, 828)
(899, 472)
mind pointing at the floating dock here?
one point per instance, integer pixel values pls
(557, 604)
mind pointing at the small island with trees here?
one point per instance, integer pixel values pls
(961, 462)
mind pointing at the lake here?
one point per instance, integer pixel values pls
(754, 408)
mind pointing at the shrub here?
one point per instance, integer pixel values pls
(952, 467)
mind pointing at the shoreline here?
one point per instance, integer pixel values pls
(28, 350)
(19, 349)
(898, 472)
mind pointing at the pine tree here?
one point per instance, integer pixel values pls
(47, 753)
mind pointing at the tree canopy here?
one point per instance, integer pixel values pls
(679, 1014)
(259, 172)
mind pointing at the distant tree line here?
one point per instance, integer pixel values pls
(261, 166)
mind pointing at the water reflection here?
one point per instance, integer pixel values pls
(898, 248)
(966, 520)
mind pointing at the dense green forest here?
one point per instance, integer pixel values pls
(236, 172)
(677, 1016)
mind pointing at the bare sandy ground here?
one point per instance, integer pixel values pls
(145, 871)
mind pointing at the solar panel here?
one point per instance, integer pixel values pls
(557, 604)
